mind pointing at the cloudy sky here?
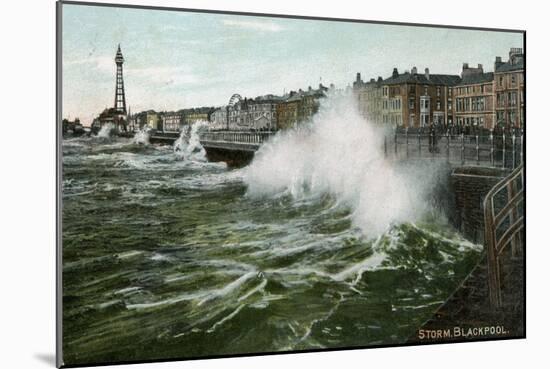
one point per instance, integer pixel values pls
(177, 60)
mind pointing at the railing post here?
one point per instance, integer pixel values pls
(521, 148)
(514, 215)
(462, 158)
(432, 142)
(513, 150)
(493, 268)
(419, 145)
(407, 141)
(395, 142)
(385, 147)
(477, 149)
(495, 246)
(503, 150)
(492, 149)
(448, 147)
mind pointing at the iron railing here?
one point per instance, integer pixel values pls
(247, 137)
(491, 150)
(504, 221)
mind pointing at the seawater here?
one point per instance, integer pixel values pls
(166, 255)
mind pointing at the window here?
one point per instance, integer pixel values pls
(411, 103)
(512, 117)
(500, 100)
(424, 120)
(512, 98)
(439, 91)
(438, 105)
(513, 79)
(500, 117)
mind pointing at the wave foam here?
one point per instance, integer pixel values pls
(341, 154)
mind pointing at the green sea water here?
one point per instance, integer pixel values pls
(166, 257)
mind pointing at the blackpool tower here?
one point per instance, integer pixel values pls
(120, 99)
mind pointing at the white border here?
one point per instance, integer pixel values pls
(27, 151)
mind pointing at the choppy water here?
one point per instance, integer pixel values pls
(170, 258)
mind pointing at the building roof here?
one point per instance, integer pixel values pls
(266, 99)
(510, 67)
(420, 78)
(294, 96)
(476, 78)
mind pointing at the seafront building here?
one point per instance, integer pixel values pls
(369, 98)
(509, 86)
(173, 121)
(475, 98)
(299, 106)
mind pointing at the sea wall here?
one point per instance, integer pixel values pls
(469, 187)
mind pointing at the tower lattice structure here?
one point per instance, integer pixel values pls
(120, 99)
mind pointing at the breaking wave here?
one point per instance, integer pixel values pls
(341, 154)
(106, 130)
(188, 146)
(142, 136)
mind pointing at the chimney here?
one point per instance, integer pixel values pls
(515, 51)
(379, 79)
(414, 70)
(516, 54)
(464, 66)
(372, 80)
(498, 62)
(309, 88)
(427, 73)
(480, 67)
(358, 77)
(395, 73)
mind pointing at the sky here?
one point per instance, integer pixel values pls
(176, 60)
